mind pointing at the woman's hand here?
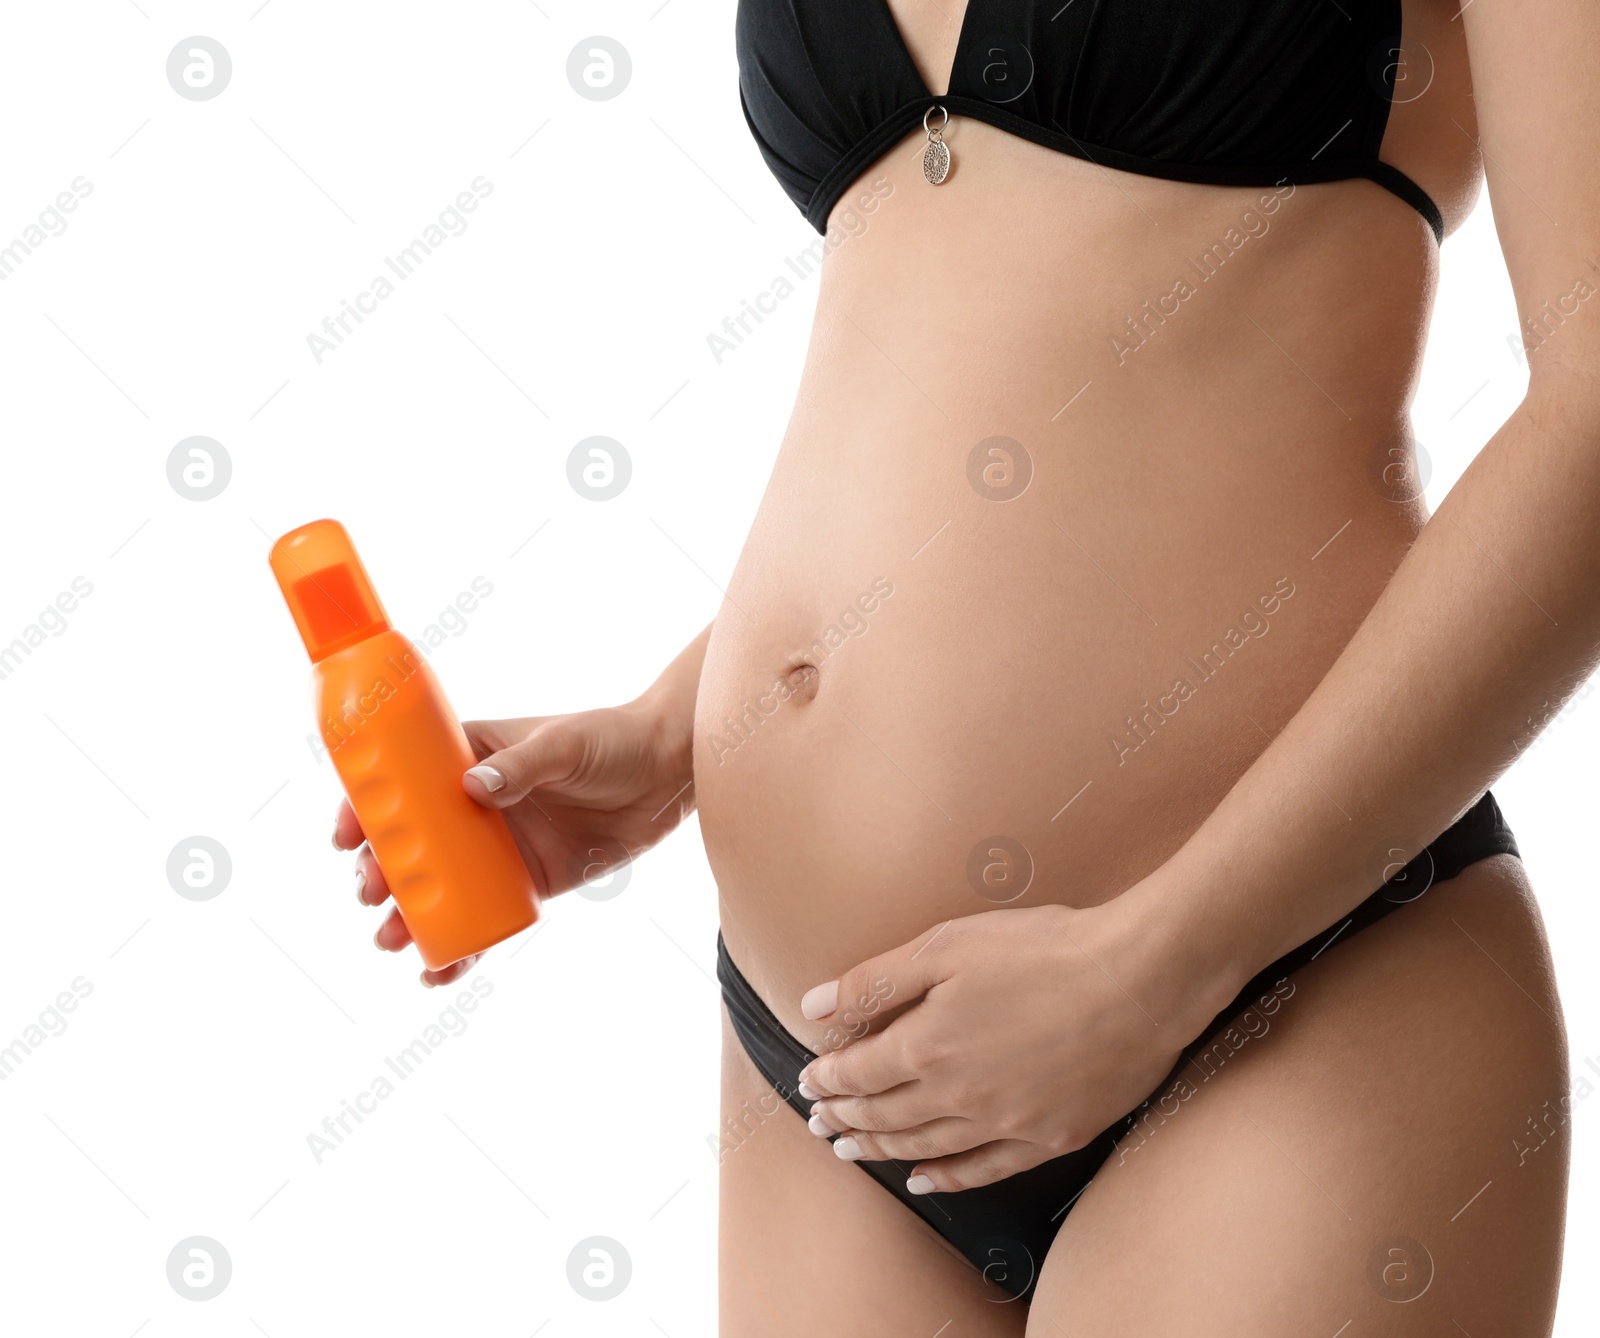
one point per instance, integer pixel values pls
(582, 794)
(1031, 1030)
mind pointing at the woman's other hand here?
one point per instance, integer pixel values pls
(1028, 1032)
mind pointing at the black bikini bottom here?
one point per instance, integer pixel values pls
(1005, 1229)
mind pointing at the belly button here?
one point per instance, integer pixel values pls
(802, 681)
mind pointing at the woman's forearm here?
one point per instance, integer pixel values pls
(1491, 621)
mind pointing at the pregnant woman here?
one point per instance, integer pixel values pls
(1092, 749)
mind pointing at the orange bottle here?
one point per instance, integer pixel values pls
(452, 866)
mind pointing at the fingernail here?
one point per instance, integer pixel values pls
(820, 1001)
(335, 837)
(847, 1149)
(808, 1094)
(919, 1184)
(488, 777)
(428, 984)
(378, 938)
(361, 886)
(816, 1125)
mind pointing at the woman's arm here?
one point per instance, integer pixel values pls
(1493, 618)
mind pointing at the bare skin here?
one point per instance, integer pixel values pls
(916, 656)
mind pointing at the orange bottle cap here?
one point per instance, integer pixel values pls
(327, 588)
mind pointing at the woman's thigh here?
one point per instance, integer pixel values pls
(1362, 1165)
(811, 1245)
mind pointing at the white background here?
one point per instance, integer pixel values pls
(177, 302)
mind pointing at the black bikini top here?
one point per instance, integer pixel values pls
(1227, 92)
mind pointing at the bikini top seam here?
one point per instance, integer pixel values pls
(892, 128)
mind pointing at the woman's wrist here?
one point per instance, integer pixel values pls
(671, 722)
(668, 705)
(1186, 963)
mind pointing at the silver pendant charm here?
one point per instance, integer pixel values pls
(936, 157)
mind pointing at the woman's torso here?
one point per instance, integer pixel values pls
(1205, 390)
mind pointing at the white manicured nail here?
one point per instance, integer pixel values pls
(820, 1001)
(361, 886)
(488, 777)
(919, 1184)
(847, 1149)
(808, 1094)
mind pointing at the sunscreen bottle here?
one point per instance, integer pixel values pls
(454, 870)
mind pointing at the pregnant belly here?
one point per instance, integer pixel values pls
(1014, 615)
(929, 704)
